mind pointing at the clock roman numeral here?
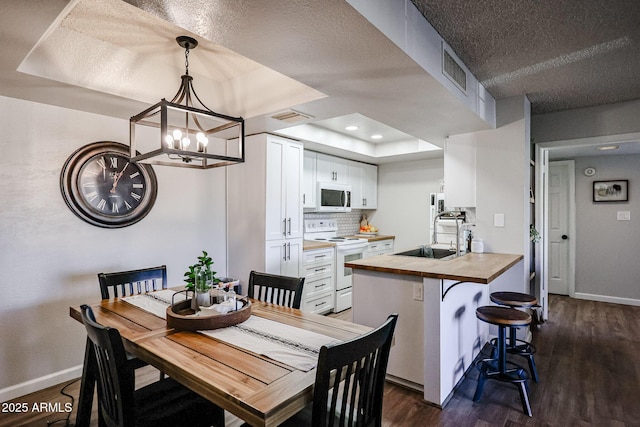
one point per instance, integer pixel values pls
(135, 174)
(138, 186)
(114, 162)
(115, 208)
(89, 184)
(102, 163)
(127, 205)
(92, 196)
(136, 196)
(102, 204)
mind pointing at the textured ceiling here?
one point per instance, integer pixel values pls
(563, 54)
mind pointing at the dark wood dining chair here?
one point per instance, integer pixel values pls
(349, 384)
(281, 290)
(122, 283)
(133, 281)
(163, 403)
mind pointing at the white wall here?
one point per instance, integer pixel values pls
(49, 258)
(403, 200)
(607, 249)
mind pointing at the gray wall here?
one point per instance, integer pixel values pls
(403, 200)
(49, 258)
(607, 249)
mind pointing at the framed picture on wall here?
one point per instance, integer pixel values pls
(611, 191)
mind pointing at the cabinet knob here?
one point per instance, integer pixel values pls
(565, 237)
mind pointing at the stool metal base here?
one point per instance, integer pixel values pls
(489, 370)
(520, 348)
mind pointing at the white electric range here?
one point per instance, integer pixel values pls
(347, 249)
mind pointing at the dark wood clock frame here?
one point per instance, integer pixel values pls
(102, 187)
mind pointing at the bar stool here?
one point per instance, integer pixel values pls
(496, 369)
(514, 345)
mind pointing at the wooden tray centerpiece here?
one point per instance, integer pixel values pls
(181, 316)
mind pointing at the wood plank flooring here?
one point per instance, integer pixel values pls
(588, 354)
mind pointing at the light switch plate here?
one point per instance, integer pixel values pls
(418, 292)
(624, 216)
(498, 220)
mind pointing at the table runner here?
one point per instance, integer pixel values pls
(293, 346)
(156, 302)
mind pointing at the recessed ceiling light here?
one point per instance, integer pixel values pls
(352, 127)
(376, 136)
(608, 147)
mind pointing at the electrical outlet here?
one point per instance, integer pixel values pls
(418, 294)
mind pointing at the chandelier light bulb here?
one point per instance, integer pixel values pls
(185, 142)
(177, 135)
(169, 140)
(202, 139)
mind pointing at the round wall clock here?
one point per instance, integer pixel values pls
(101, 186)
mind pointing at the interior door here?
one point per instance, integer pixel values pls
(560, 225)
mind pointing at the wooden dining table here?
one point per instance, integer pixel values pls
(253, 387)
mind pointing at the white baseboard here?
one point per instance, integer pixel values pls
(37, 384)
(606, 298)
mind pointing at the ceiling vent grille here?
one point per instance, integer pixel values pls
(453, 70)
(291, 116)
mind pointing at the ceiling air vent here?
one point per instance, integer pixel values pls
(453, 70)
(291, 116)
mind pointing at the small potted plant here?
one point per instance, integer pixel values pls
(199, 278)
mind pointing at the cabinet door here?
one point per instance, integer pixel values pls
(324, 168)
(341, 169)
(369, 185)
(275, 256)
(275, 190)
(309, 180)
(460, 171)
(293, 190)
(355, 181)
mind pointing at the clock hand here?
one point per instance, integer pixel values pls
(117, 177)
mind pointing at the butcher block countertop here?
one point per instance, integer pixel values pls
(309, 245)
(472, 267)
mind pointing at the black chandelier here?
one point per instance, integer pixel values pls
(190, 135)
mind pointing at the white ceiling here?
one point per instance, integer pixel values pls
(322, 58)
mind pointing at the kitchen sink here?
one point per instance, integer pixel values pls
(428, 252)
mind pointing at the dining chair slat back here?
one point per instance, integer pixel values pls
(133, 281)
(350, 378)
(162, 403)
(276, 289)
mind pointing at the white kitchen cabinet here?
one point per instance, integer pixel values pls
(460, 171)
(332, 169)
(283, 257)
(284, 189)
(264, 208)
(309, 180)
(319, 285)
(379, 247)
(363, 179)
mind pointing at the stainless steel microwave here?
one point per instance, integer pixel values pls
(333, 197)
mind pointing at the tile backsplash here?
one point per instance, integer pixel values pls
(348, 222)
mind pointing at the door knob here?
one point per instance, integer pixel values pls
(565, 237)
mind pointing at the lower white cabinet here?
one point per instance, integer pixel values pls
(379, 247)
(283, 257)
(319, 283)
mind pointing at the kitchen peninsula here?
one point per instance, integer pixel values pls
(437, 336)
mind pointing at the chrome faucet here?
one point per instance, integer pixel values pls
(455, 215)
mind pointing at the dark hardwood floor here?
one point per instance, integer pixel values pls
(588, 354)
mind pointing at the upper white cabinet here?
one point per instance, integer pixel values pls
(460, 171)
(284, 189)
(332, 169)
(363, 179)
(264, 208)
(309, 180)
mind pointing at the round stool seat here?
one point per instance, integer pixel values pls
(503, 316)
(514, 299)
